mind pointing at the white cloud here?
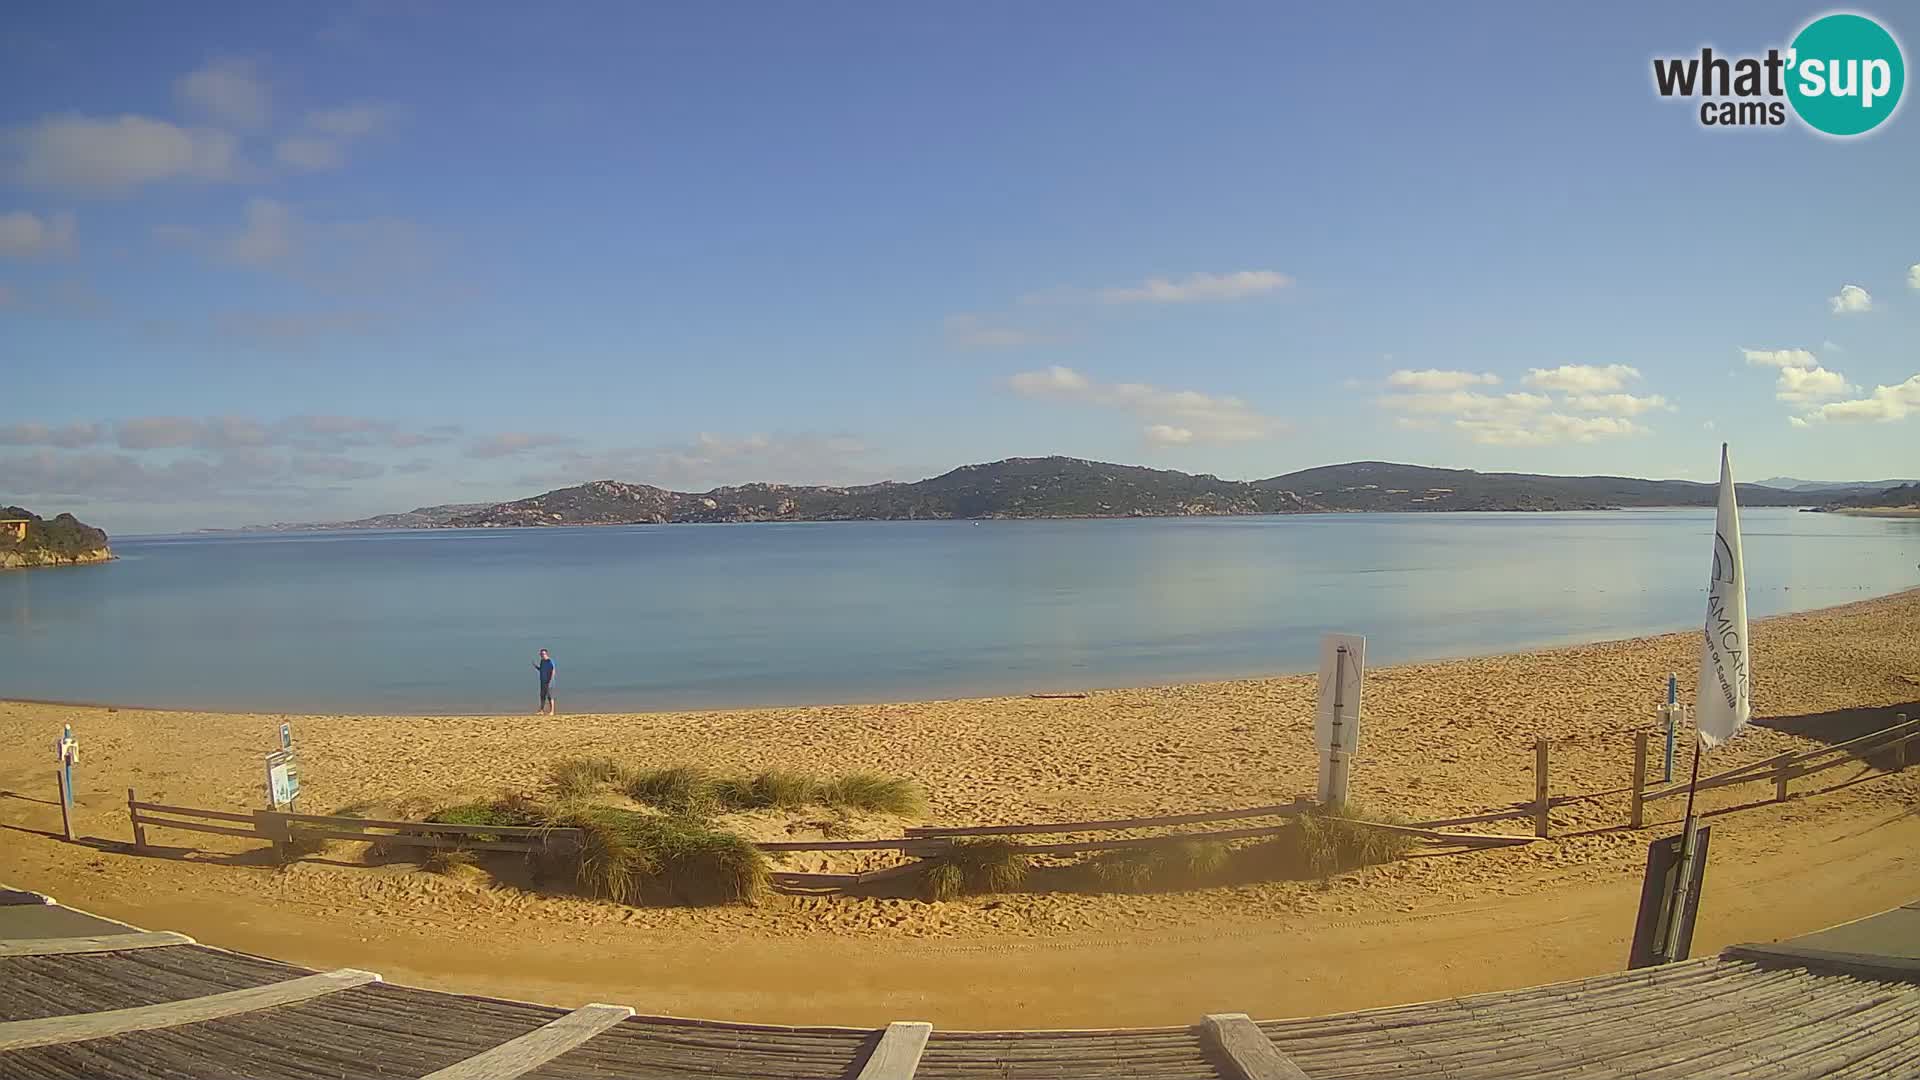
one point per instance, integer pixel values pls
(1707, 425)
(1806, 385)
(1546, 429)
(1522, 418)
(350, 122)
(310, 154)
(267, 235)
(974, 332)
(1465, 402)
(506, 443)
(1237, 285)
(1852, 300)
(328, 134)
(73, 152)
(1885, 404)
(1435, 379)
(68, 437)
(1831, 347)
(1175, 416)
(1581, 378)
(1796, 421)
(227, 91)
(1913, 276)
(1781, 358)
(23, 233)
(1620, 404)
(711, 460)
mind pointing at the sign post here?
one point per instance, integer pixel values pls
(1670, 713)
(1343, 667)
(66, 751)
(1669, 901)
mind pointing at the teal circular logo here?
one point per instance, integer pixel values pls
(1845, 74)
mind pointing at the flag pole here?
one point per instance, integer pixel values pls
(1679, 914)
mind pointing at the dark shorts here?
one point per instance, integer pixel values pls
(546, 693)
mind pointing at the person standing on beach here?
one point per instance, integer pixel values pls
(544, 666)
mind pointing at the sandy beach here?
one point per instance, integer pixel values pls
(1440, 739)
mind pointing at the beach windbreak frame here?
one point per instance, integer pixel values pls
(1725, 694)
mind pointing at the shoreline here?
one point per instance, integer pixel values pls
(1200, 682)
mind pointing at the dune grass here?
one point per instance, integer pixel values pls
(579, 777)
(1324, 841)
(1184, 865)
(453, 863)
(973, 867)
(629, 857)
(690, 790)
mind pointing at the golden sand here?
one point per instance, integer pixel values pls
(1440, 739)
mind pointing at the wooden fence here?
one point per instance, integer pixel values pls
(1780, 768)
(924, 842)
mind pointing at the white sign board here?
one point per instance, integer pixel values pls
(283, 778)
(1343, 669)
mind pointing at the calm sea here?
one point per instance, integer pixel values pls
(648, 617)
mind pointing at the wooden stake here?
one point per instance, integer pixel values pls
(139, 830)
(1781, 771)
(1540, 805)
(1900, 747)
(1638, 814)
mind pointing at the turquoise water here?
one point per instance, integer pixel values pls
(647, 617)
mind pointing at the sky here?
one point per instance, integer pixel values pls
(307, 262)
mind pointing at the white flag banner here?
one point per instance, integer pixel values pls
(1725, 695)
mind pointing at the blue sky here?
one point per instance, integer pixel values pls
(301, 262)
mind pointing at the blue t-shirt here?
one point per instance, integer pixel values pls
(546, 672)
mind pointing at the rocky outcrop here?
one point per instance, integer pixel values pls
(11, 559)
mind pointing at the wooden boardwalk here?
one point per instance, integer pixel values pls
(72, 1004)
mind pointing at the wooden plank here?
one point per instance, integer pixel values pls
(194, 826)
(1111, 824)
(1248, 1053)
(404, 840)
(420, 826)
(907, 843)
(897, 1055)
(520, 1056)
(143, 939)
(1781, 773)
(52, 1030)
(186, 811)
(1476, 819)
(1866, 965)
(1637, 809)
(1543, 806)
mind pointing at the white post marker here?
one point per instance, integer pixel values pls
(1336, 727)
(67, 751)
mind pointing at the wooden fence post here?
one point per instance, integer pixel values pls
(1638, 815)
(139, 830)
(1540, 805)
(1900, 747)
(1781, 772)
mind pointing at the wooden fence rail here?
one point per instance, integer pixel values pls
(1781, 768)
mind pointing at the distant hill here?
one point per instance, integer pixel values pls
(1788, 483)
(60, 541)
(1073, 487)
(1014, 488)
(1905, 496)
(1385, 486)
(422, 517)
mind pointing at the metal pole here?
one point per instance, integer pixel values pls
(1673, 711)
(66, 804)
(1678, 915)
